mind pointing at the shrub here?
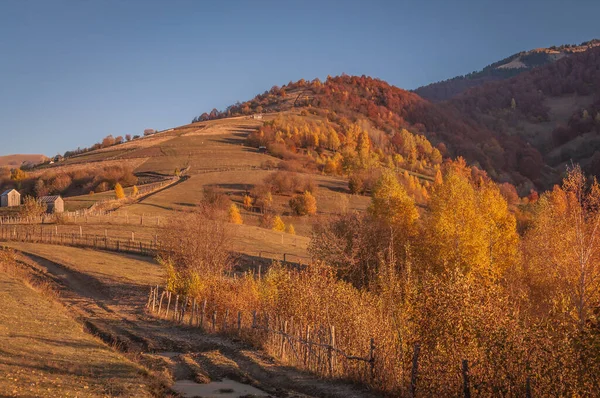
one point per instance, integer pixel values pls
(32, 208)
(305, 204)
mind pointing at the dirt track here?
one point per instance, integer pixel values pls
(115, 313)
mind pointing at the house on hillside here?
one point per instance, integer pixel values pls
(10, 198)
(257, 116)
(55, 204)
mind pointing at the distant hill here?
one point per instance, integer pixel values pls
(503, 69)
(19, 159)
(555, 109)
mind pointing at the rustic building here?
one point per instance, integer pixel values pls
(10, 198)
(55, 204)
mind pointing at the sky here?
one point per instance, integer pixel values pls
(73, 72)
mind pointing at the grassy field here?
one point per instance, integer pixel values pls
(110, 268)
(46, 353)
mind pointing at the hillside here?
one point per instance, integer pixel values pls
(504, 69)
(344, 100)
(555, 109)
(18, 160)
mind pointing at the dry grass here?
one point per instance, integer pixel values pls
(46, 353)
(106, 267)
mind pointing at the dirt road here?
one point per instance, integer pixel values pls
(114, 311)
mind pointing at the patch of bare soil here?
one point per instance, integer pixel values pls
(178, 353)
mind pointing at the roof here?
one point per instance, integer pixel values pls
(49, 199)
(8, 191)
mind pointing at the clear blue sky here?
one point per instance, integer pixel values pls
(72, 72)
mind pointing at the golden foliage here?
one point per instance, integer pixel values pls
(234, 215)
(278, 224)
(119, 192)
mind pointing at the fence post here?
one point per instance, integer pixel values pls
(283, 336)
(415, 370)
(175, 309)
(528, 387)
(225, 320)
(168, 305)
(372, 358)
(214, 320)
(193, 311)
(253, 319)
(465, 372)
(307, 348)
(331, 350)
(203, 314)
(239, 325)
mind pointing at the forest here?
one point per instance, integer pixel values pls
(462, 279)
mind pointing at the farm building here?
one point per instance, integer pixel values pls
(10, 198)
(257, 116)
(55, 204)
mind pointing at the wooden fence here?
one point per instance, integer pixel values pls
(308, 347)
(49, 234)
(38, 235)
(100, 208)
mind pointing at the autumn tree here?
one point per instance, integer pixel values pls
(248, 202)
(291, 230)
(561, 248)
(305, 204)
(119, 191)
(135, 191)
(32, 207)
(469, 228)
(278, 224)
(234, 215)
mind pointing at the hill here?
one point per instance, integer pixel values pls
(19, 160)
(555, 109)
(504, 69)
(345, 100)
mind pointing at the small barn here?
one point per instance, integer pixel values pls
(10, 198)
(55, 204)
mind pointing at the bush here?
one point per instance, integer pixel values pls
(305, 204)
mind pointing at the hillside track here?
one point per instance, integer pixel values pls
(115, 313)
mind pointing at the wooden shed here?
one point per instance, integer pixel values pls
(55, 204)
(10, 198)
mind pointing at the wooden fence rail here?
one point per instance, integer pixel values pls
(141, 247)
(309, 347)
(305, 346)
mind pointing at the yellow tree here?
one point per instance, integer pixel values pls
(454, 226)
(291, 230)
(247, 202)
(499, 232)
(278, 224)
(135, 191)
(119, 192)
(391, 203)
(561, 248)
(234, 215)
(363, 148)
